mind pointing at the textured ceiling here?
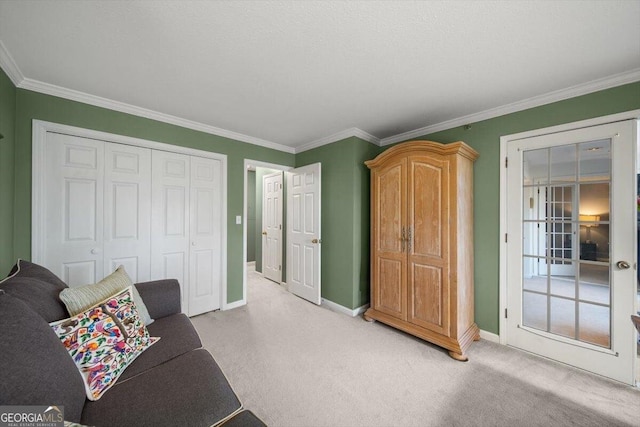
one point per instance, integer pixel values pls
(294, 72)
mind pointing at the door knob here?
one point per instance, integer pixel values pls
(316, 241)
(264, 233)
(95, 251)
(623, 265)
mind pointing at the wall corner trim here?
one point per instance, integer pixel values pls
(347, 133)
(333, 306)
(9, 66)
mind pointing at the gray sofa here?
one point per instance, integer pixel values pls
(174, 382)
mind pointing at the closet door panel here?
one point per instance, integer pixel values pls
(74, 208)
(205, 235)
(127, 224)
(170, 244)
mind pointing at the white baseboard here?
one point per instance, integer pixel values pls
(251, 263)
(344, 310)
(489, 336)
(235, 304)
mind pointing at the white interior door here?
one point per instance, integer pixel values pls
(127, 225)
(73, 225)
(170, 235)
(272, 226)
(303, 232)
(205, 265)
(571, 212)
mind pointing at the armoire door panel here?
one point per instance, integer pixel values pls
(390, 295)
(429, 298)
(389, 207)
(428, 207)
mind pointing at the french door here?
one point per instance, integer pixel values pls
(571, 224)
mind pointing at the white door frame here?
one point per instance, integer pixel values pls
(248, 163)
(504, 140)
(38, 160)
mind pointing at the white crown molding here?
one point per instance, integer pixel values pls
(9, 66)
(536, 101)
(347, 133)
(74, 95)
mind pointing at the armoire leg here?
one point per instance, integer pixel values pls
(458, 356)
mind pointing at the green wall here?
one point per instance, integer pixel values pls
(345, 218)
(7, 144)
(31, 105)
(484, 137)
(345, 182)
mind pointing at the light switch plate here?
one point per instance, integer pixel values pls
(238, 219)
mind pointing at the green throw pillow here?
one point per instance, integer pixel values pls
(80, 298)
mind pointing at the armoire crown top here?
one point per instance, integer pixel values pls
(458, 147)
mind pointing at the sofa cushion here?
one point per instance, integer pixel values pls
(38, 288)
(104, 340)
(189, 390)
(80, 298)
(35, 368)
(178, 337)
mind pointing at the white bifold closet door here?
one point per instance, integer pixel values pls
(186, 227)
(158, 213)
(97, 209)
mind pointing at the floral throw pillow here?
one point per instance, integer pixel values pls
(104, 340)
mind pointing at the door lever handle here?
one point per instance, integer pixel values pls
(623, 265)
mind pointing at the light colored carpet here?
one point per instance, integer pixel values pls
(297, 364)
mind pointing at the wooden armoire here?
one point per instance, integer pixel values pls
(422, 242)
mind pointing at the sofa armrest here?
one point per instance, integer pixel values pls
(162, 297)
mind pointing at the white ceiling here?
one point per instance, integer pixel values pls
(289, 74)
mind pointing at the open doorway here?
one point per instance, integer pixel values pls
(301, 249)
(253, 239)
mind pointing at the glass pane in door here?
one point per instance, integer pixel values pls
(565, 218)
